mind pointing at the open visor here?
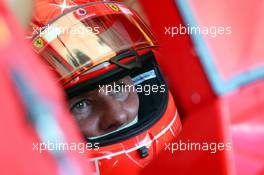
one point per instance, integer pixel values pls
(89, 35)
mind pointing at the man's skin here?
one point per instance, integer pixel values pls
(99, 112)
(22, 10)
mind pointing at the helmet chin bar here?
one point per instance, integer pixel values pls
(119, 129)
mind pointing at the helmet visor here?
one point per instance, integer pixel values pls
(89, 35)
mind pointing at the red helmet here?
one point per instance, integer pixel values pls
(96, 44)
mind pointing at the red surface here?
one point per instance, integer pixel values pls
(17, 134)
(245, 108)
(178, 60)
(236, 117)
(242, 50)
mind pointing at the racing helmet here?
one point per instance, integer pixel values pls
(96, 44)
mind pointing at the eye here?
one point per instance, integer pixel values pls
(82, 107)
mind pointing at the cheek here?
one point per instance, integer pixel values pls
(131, 105)
(89, 126)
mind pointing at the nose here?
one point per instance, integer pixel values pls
(114, 115)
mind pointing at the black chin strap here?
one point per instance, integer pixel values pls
(136, 64)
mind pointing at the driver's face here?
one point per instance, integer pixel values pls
(99, 113)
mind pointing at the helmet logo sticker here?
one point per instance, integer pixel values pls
(39, 43)
(81, 12)
(113, 7)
